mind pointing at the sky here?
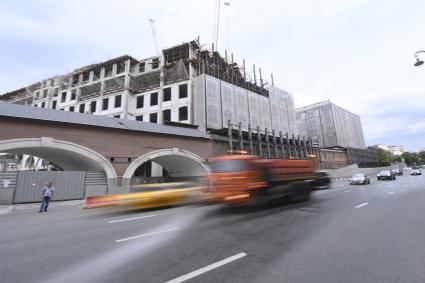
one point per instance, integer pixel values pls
(357, 53)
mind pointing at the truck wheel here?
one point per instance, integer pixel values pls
(301, 196)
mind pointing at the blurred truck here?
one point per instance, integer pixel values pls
(248, 178)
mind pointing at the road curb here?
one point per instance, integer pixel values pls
(36, 206)
(4, 209)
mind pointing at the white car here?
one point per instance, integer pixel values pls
(360, 179)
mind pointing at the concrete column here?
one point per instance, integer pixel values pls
(156, 170)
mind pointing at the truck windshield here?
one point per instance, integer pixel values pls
(221, 166)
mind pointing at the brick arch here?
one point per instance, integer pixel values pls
(70, 156)
(162, 155)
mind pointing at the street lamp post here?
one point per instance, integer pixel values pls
(418, 61)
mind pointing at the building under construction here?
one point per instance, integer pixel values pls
(186, 85)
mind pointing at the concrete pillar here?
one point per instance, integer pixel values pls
(156, 170)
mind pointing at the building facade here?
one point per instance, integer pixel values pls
(185, 84)
(332, 125)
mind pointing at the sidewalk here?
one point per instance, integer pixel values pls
(4, 209)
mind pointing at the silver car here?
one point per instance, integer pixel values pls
(359, 179)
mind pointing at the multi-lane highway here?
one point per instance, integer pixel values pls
(363, 233)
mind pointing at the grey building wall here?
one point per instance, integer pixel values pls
(332, 125)
(217, 102)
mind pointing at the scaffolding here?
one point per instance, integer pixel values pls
(269, 144)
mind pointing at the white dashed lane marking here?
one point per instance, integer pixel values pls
(147, 234)
(361, 205)
(206, 268)
(134, 218)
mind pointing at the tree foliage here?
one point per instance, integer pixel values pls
(413, 158)
(384, 156)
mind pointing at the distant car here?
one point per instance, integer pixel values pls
(359, 178)
(397, 172)
(415, 172)
(407, 168)
(385, 175)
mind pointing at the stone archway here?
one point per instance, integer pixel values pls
(178, 162)
(68, 155)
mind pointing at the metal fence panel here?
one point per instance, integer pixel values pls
(68, 184)
(7, 186)
(96, 184)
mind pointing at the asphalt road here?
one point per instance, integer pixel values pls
(363, 233)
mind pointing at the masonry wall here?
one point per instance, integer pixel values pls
(120, 144)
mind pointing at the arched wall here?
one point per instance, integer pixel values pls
(177, 161)
(70, 156)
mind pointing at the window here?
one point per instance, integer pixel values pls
(72, 108)
(183, 91)
(155, 63)
(82, 106)
(154, 98)
(105, 102)
(63, 97)
(117, 101)
(183, 113)
(43, 105)
(75, 79)
(153, 118)
(93, 107)
(86, 76)
(166, 93)
(108, 71)
(54, 104)
(120, 68)
(166, 115)
(141, 67)
(140, 101)
(45, 93)
(139, 118)
(55, 92)
(36, 95)
(73, 94)
(96, 74)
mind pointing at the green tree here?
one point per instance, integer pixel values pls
(397, 158)
(384, 156)
(421, 155)
(411, 158)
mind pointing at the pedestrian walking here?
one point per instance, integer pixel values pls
(47, 195)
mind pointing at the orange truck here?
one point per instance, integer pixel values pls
(248, 178)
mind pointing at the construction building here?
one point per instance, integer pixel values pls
(332, 125)
(184, 85)
(339, 133)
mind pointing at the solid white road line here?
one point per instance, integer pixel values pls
(134, 218)
(390, 193)
(347, 191)
(361, 205)
(147, 234)
(206, 268)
